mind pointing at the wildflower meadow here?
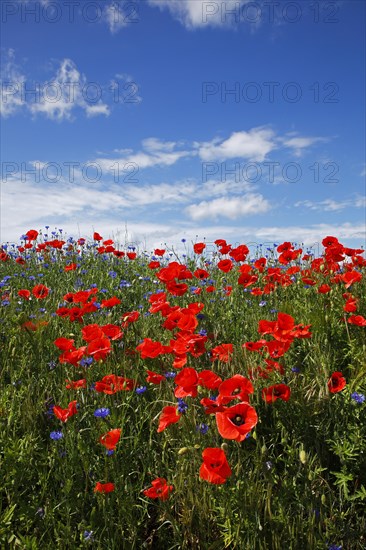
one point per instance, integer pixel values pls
(208, 399)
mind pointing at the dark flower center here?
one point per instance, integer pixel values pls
(238, 420)
(236, 391)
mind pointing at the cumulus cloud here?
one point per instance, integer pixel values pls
(232, 208)
(11, 84)
(254, 145)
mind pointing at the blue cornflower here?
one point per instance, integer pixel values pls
(182, 406)
(56, 435)
(335, 547)
(112, 274)
(109, 452)
(202, 428)
(295, 369)
(88, 535)
(358, 397)
(86, 361)
(263, 303)
(102, 413)
(141, 389)
(170, 374)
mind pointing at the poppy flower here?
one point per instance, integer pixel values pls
(225, 265)
(97, 237)
(104, 487)
(65, 414)
(222, 352)
(236, 387)
(159, 252)
(199, 248)
(24, 293)
(110, 439)
(277, 391)
(76, 384)
(111, 384)
(169, 415)
(32, 234)
(358, 320)
(187, 382)
(99, 348)
(208, 379)
(64, 344)
(40, 292)
(236, 422)
(160, 489)
(337, 382)
(215, 468)
(154, 377)
(111, 302)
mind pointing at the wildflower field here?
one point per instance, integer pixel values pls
(207, 400)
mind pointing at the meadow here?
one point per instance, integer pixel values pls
(210, 399)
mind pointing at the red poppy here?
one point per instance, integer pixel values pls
(65, 414)
(215, 468)
(131, 255)
(199, 248)
(358, 320)
(159, 252)
(153, 265)
(154, 377)
(99, 348)
(113, 332)
(110, 439)
(222, 352)
(32, 234)
(337, 382)
(169, 415)
(160, 489)
(187, 381)
(239, 253)
(76, 384)
(111, 384)
(24, 293)
(324, 289)
(70, 267)
(104, 487)
(236, 387)
(91, 332)
(40, 292)
(277, 391)
(150, 349)
(97, 237)
(111, 302)
(208, 379)
(64, 344)
(236, 422)
(225, 265)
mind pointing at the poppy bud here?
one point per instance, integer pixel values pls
(324, 499)
(302, 456)
(183, 451)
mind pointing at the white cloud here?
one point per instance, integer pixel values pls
(331, 205)
(232, 208)
(253, 145)
(63, 93)
(155, 153)
(60, 97)
(118, 15)
(203, 13)
(298, 144)
(11, 83)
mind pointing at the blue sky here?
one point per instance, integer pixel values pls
(168, 119)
